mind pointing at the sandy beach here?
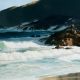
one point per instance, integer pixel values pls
(72, 76)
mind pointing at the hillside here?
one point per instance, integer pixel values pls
(38, 11)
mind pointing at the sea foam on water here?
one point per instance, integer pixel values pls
(29, 60)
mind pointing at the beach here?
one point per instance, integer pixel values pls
(72, 76)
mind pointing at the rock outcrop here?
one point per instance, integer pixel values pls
(67, 37)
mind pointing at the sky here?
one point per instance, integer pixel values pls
(9, 3)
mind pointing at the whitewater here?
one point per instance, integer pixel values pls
(28, 59)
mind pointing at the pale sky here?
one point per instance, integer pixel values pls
(8, 3)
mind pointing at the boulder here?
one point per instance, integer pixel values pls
(67, 37)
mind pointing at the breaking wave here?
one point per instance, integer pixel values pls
(33, 50)
(27, 58)
(23, 57)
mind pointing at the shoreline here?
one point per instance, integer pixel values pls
(71, 76)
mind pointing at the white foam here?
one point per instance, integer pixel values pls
(34, 51)
(23, 44)
(52, 28)
(21, 78)
(18, 63)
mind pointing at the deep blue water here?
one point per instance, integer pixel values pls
(24, 34)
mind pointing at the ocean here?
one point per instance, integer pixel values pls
(26, 58)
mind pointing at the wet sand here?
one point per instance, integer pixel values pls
(72, 76)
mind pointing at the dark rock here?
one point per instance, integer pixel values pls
(59, 47)
(68, 48)
(68, 37)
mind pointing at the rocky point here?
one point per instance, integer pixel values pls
(68, 37)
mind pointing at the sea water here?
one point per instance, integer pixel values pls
(28, 59)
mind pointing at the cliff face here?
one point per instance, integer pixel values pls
(38, 11)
